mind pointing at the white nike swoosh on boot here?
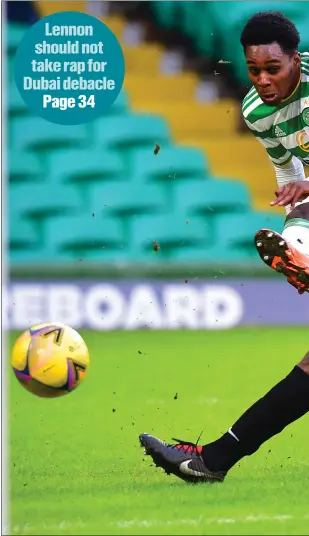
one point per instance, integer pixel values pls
(183, 467)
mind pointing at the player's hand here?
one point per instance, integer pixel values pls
(291, 193)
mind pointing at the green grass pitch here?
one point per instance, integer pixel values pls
(76, 466)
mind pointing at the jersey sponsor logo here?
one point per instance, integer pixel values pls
(305, 116)
(302, 139)
(279, 132)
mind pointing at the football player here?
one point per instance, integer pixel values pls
(276, 110)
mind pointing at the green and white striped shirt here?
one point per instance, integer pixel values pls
(282, 129)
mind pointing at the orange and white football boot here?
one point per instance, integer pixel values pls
(276, 252)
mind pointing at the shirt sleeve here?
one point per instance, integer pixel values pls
(293, 171)
(277, 154)
(287, 167)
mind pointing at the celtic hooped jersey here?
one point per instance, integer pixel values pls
(282, 129)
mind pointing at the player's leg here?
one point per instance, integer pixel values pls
(288, 253)
(282, 405)
(296, 228)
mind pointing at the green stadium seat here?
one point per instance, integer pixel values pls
(23, 166)
(41, 200)
(131, 130)
(17, 106)
(9, 62)
(302, 27)
(214, 255)
(237, 13)
(142, 257)
(127, 198)
(172, 163)
(80, 258)
(34, 133)
(33, 257)
(165, 13)
(23, 234)
(46, 257)
(197, 23)
(113, 256)
(212, 196)
(121, 104)
(171, 231)
(228, 47)
(83, 232)
(239, 229)
(191, 18)
(14, 34)
(85, 165)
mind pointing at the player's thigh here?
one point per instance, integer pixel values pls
(301, 211)
(304, 364)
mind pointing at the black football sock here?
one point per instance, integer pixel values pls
(282, 405)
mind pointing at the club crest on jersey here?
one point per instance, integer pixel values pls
(305, 116)
(279, 132)
(302, 139)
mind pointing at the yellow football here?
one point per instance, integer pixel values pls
(50, 360)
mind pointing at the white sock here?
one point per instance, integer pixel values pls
(297, 237)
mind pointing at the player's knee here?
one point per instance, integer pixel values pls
(301, 211)
(304, 364)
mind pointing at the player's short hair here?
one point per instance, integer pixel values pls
(271, 27)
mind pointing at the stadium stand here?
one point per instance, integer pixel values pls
(85, 166)
(212, 197)
(24, 166)
(175, 162)
(90, 233)
(171, 230)
(35, 134)
(99, 192)
(128, 199)
(215, 31)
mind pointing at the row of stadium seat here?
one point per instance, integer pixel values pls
(215, 30)
(123, 144)
(97, 164)
(98, 192)
(121, 131)
(102, 237)
(59, 154)
(210, 126)
(201, 119)
(187, 197)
